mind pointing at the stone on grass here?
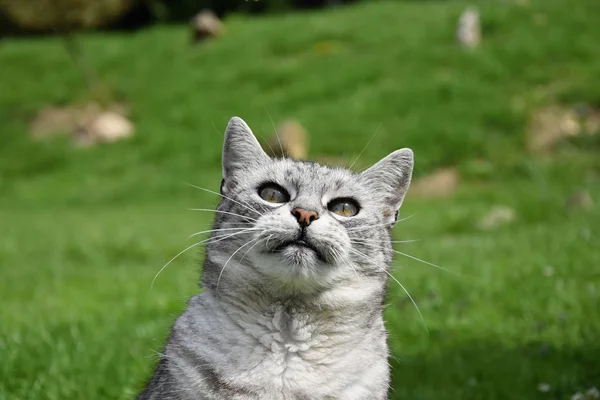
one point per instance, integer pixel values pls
(592, 394)
(469, 28)
(110, 127)
(497, 216)
(107, 127)
(206, 25)
(544, 387)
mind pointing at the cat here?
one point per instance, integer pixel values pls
(294, 282)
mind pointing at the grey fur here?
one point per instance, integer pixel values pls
(289, 322)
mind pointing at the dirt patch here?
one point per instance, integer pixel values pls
(441, 183)
(553, 124)
(86, 124)
(496, 217)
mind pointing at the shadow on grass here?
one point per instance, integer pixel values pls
(487, 370)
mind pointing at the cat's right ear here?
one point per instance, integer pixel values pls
(389, 179)
(241, 151)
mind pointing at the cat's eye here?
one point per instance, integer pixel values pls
(273, 193)
(344, 207)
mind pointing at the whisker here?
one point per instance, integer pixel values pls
(411, 299)
(222, 212)
(425, 262)
(401, 285)
(219, 230)
(349, 264)
(361, 228)
(225, 197)
(222, 237)
(267, 142)
(365, 148)
(267, 242)
(276, 133)
(383, 241)
(229, 259)
(409, 256)
(251, 247)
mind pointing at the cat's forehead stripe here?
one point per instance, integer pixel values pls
(301, 174)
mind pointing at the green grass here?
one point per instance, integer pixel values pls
(85, 231)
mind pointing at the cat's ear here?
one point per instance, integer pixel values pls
(390, 179)
(241, 150)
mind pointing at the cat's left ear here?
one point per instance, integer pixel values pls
(241, 151)
(390, 179)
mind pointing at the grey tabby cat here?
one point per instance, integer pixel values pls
(294, 283)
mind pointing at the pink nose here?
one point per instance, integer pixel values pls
(304, 217)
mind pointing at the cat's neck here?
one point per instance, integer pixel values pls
(247, 295)
(254, 300)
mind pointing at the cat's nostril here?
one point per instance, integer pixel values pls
(304, 217)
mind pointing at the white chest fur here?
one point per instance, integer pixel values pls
(283, 352)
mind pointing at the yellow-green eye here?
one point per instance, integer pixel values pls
(344, 207)
(273, 193)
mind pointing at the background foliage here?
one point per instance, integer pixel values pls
(18, 16)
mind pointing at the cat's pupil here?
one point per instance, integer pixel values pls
(273, 194)
(344, 207)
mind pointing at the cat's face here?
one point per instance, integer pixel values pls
(303, 225)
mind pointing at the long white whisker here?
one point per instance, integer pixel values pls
(383, 241)
(251, 247)
(349, 263)
(225, 197)
(410, 297)
(276, 133)
(267, 142)
(171, 260)
(425, 262)
(229, 259)
(361, 228)
(365, 243)
(365, 148)
(402, 286)
(222, 212)
(220, 230)
(222, 237)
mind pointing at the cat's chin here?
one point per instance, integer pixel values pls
(299, 252)
(300, 256)
(295, 266)
(293, 259)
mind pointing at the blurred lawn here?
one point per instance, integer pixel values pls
(85, 231)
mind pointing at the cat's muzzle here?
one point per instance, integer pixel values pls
(302, 243)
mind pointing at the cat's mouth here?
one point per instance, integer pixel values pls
(300, 244)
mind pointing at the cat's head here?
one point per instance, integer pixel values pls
(300, 225)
